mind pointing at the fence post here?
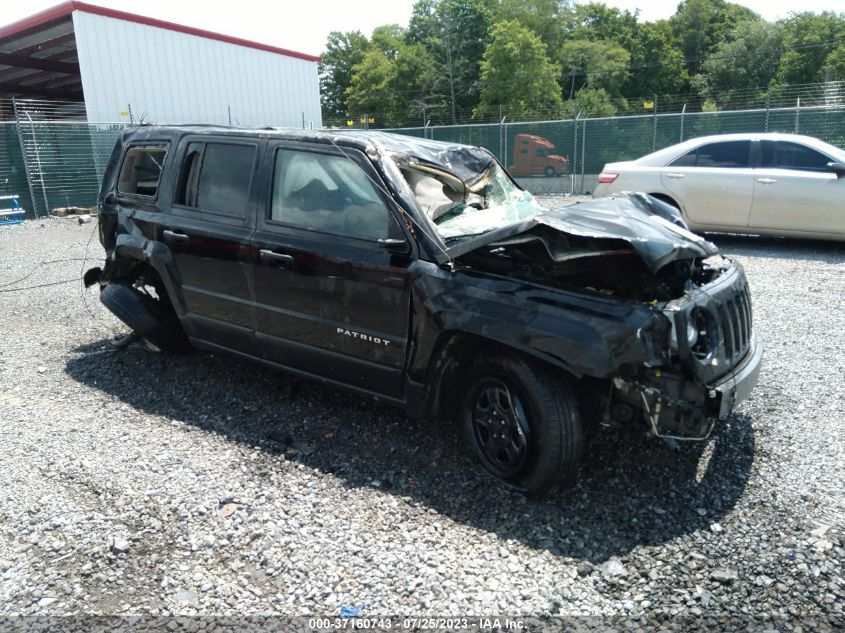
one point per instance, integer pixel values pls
(768, 105)
(797, 113)
(229, 108)
(683, 113)
(583, 148)
(654, 131)
(574, 168)
(23, 157)
(502, 140)
(38, 162)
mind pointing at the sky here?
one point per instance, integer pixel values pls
(304, 27)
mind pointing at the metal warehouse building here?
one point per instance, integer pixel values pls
(116, 62)
(72, 77)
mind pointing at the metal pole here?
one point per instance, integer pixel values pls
(23, 157)
(654, 132)
(574, 167)
(366, 120)
(131, 116)
(797, 113)
(502, 140)
(303, 120)
(583, 147)
(229, 108)
(38, 162)
(768, 104)
(683, 112)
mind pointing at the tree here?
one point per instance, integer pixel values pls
(371, 87)
(343, 52)
(454, 32)
(389, 38)
(701, 25)
(657, 65)
(809, 39)
(516, 71)
(594, 65)
(749, 60)
(543, 17)
(834, 65)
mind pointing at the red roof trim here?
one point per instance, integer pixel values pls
(61, 10)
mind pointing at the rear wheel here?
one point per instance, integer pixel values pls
(150, 317)
(550, 172)
(522, 424)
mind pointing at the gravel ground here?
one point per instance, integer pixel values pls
(139, 483)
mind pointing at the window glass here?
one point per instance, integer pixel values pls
(327, 193)
(141, 171)
(687, 160)
(224, 179)
(728, 154)
(186, 192)
(542, 152)
(788, 155)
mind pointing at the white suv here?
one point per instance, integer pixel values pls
(770, 184)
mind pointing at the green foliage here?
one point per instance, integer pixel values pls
(749, 60)
(516, 71)
(599, 64)
(811, 38)
(450, 63)
(701, 25)
(343, 52)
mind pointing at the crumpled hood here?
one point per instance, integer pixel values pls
(654, 229)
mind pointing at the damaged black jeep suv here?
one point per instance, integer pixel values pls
(420, 273)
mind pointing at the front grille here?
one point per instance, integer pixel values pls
(734, 316)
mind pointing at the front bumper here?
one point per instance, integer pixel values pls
(737, 385)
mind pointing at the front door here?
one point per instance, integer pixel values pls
(795, 191)
(330, 301)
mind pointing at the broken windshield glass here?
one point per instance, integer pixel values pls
(459, 210)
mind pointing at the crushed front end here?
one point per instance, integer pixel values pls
(710, 363)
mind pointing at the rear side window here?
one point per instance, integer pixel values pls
(788, 155)
(140, 172)
(731, 154)
(217, 177)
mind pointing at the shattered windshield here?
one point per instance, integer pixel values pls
(461, 210)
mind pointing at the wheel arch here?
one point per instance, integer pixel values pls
(454, 354)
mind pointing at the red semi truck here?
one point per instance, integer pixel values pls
(532, 157)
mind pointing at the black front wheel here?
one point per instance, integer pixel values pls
(522, 423)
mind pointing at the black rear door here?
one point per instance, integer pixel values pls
(208, 232)
(329, 300)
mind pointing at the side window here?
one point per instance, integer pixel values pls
(326, 193)
(788, 155)
(687, 160)
(216, 178)
(729, 154)
(542, 152)
(140, 172)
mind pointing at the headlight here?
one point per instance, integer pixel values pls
(691, 334)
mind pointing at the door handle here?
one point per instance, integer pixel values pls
(175, 237)
(767, 181)
(675, 176)
(272, 256)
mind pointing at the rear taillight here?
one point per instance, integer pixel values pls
(606, 178)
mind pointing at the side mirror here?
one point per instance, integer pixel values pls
(111, 198)
(837, 168)
(395, 246)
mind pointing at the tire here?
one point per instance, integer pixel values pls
(540, 444)
(148, 317)
(550, 172)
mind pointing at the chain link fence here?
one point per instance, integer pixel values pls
(588, 144)
(51, 157)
